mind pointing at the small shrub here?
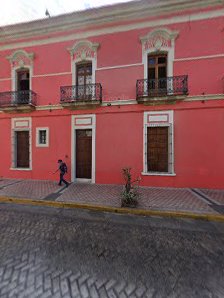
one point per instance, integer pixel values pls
(130, 193)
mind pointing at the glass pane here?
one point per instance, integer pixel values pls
(81, 80)
(162, 72)
(151, 73)
(152, 60)
(89, 79)
(42, 136)
(162, 60)
(89, 69)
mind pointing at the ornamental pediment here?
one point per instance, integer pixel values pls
(158, 39)
(84, 50)
(21, 58)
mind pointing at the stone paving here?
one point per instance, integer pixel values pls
(150, 197)
(154, 198)
(215, 195)
(49, 252)
(33, 189)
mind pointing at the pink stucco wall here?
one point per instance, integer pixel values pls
(198, 126)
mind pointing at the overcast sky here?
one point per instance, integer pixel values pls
(16, 11)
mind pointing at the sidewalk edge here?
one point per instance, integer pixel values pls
(142, 212)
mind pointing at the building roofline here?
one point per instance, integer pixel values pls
(102, 15)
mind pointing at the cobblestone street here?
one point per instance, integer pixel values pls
(49, 252)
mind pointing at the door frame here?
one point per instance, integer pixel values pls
(83, 122)
(20, 124)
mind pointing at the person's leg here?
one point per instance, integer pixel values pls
(61, 179)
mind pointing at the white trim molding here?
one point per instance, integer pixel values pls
(83, 51)
(38, 129)
(83, 122)
(155, 119)
(20, 59)
(103, 16)
(20, 124)
(156, 41)
(12, 44)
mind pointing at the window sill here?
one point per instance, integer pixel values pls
(21, 169)
(157, 174)
(42, 145)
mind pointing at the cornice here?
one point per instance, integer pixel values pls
(102, 15)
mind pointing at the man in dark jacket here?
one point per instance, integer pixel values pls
(62, 167)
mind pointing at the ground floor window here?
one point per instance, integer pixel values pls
(42, 137)
(157, 149)
(158, 143)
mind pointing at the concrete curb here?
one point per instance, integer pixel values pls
(142, 212)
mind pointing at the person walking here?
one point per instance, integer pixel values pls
(62, 167)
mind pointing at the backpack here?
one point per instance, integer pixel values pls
(64, 167)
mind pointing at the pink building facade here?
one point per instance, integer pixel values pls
(135, 85)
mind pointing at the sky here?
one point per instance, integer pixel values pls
(16, 11)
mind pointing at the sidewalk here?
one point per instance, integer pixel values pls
(196, 201)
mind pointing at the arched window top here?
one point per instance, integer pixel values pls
(84, 50)
(21, 58)
(158, 39)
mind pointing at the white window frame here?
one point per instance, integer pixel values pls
(158, 47)
(81, 50)
(159, 119)
(38, 129)
(20, 60)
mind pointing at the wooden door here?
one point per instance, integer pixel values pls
(157, 149)
(22, 149)
(84, 153)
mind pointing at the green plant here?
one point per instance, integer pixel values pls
(130, 193)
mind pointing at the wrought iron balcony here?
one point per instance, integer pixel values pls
(170, 86)
(81, 93)
(13, 99)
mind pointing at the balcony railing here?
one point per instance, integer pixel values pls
(17, 98)
(81, 93)
(170, 86)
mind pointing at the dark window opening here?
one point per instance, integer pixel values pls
(42, 137)
(23, 86)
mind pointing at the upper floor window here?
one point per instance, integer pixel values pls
(158, 48)
(22, 72)
(84, 80)
(84, 73)
(84, 62)
(23, 79)
(22, 69)
(157, 73)
(157, 67)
